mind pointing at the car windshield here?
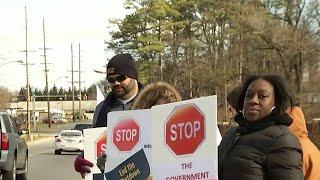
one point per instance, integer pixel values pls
(71, 134)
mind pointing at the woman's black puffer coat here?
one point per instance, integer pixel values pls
(264, 150)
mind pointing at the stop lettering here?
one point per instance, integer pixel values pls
(126, 134)
(185, 129)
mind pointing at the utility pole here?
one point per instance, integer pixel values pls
(72, 84)
(80, 95)
(46, 73)
(34, 111)
(27, 74)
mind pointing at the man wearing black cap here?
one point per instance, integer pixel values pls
(122, 75)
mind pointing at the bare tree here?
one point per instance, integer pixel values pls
(5, 95)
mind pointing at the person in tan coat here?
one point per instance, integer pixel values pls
(311, 154)
(156, 93)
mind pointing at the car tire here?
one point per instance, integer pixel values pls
(57, 151)
(24, 176)
(10, 175)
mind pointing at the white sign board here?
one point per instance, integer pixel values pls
(95, 142)
(129, 146)
(184, 140)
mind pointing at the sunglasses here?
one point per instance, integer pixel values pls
(117, 78)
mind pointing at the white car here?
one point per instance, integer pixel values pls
(69, 141)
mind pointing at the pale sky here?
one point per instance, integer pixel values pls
(66, 22)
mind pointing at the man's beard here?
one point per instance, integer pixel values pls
(125, 90)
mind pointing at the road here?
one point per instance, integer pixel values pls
(45, 165)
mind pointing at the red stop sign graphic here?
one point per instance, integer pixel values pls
(185, 129)
(126, 134)
(100, 144)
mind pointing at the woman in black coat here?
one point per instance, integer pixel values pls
(262, 147)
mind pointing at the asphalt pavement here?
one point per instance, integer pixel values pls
(44, 164)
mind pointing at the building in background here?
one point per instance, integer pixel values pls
(57, 108)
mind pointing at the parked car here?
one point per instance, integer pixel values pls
(54, 120)
(14, 150)
(64, 120)
(81, 127)
(69, 141)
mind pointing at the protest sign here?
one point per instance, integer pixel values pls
(129, 148)
(184, 140)
(95, 143)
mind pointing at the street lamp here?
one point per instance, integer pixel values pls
(61, 77)
(11, 62)
(99, 72)
(61, 100)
